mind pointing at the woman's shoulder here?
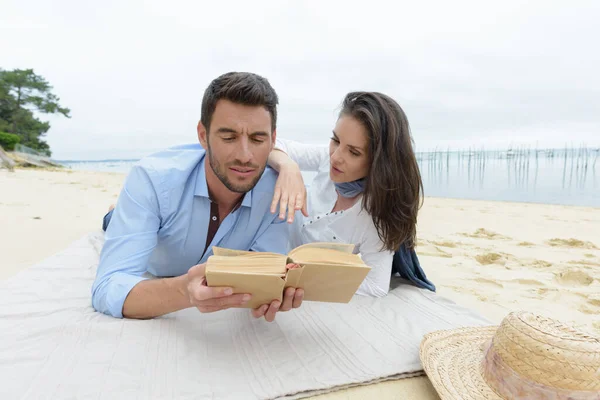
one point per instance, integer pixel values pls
(369, 235)
(362, 221)
(366, 221)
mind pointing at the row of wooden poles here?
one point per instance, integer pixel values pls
(576, 161)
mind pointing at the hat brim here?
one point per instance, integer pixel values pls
(452, 361)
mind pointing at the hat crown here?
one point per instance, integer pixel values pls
(548, 352)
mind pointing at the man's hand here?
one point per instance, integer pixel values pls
(292, 298)
(210, 299)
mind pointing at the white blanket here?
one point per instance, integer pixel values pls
(55, 346)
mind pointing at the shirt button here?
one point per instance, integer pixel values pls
(214, 218)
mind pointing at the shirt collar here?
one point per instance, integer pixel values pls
(201, 188)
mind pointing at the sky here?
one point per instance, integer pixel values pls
(467, 73)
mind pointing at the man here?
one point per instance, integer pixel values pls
(176, 204)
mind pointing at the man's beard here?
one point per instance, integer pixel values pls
(221, 173)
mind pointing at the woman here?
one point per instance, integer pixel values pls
(367, 190)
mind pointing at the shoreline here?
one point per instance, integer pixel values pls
(124, 174)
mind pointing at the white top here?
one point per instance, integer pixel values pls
(354, 225)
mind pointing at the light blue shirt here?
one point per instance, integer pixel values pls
(160, 224)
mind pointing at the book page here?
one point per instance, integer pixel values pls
(325, 256)
(251, 264)
(341, 247)
(222, 251)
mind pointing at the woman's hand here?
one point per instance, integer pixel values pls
(290, 192)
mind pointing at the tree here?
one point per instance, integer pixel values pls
(22, 92)
(5, 107)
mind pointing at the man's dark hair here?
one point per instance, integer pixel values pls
(242, 88)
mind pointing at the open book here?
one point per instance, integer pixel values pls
(327, 272)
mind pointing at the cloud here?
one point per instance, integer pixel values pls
(465, 72)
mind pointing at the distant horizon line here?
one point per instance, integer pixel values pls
(435, 150)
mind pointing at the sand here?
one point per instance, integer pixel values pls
(42, 212)
(494, 257)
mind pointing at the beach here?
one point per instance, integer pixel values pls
(493, 257)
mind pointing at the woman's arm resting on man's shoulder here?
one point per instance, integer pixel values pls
(290, 191)
(289, 158)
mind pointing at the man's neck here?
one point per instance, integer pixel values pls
(225, 198)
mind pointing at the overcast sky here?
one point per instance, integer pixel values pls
(475, 73)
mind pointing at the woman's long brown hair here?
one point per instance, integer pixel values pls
(394, 189)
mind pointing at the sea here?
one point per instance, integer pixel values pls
(569, 176)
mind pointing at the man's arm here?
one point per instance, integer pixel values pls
(130, 239)
(120, 289)
(153, 298)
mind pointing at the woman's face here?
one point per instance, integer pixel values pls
(348, 151)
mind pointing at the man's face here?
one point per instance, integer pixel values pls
(238, 144)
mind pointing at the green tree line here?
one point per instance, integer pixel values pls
(23, 95)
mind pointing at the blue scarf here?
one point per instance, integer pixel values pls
(350, 189)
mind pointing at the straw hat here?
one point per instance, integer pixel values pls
(526, 357)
